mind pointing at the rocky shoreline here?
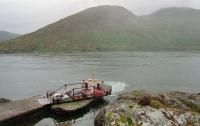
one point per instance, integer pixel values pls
(3, 100)
(143, 108)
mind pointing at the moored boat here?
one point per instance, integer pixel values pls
(87, 89)
(74, 97)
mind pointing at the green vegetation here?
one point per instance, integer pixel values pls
(156, 104)
(193, 107)
(137, 93)
(7, 35)
(130, 106)
(113, 28)
(123, 119)
(109, 115)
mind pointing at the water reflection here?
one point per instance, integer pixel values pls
(46, 117)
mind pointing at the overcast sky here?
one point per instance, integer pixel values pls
(24, 16)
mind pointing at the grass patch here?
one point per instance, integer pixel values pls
(193, 107)
(109, 115)
(156, 104)
(130, 106)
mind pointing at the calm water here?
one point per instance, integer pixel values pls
(23, 75)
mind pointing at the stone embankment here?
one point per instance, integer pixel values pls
(11, 110)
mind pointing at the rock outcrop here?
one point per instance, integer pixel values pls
(3, 100)
(142, 108)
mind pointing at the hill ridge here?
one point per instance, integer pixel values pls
(5, 35)
(177, 10)
(112, 28)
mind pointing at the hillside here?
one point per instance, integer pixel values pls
(4, 35)
(114, 28)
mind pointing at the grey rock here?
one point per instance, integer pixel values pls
(167, 109)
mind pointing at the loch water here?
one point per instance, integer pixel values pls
(26, 75)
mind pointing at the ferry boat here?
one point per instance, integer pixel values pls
(87, 89)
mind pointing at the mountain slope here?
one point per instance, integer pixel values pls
(110, 28)
(175, 28)
(4, 35)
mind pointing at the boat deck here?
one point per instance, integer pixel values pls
(71, 106)
(44, 101)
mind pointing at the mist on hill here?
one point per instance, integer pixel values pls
(4, 35)
(25, 16)
(114, 28)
